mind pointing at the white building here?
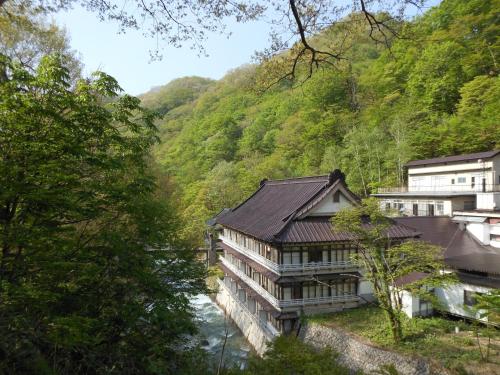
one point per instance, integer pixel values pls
(441, 186)
(455, 203)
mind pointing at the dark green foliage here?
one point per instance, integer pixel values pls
(287, 355)
(92, 276)
(435, 93)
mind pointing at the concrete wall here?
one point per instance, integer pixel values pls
(359, 355)
(488, 201)
(245, 321)
(481, 231)
(452, 298)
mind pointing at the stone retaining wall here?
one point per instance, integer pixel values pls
(358, 355)
(254, 334)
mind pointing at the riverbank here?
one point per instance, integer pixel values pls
(213, 324)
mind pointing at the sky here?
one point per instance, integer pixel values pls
(126, 56)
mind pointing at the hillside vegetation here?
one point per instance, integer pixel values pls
(434, 93)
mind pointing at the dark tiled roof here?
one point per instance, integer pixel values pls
(410, 278)
(454, 158)
(461, 250)
(320, 229)
(272, 206)
(272, 213)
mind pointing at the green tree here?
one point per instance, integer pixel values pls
(27, 36)
(287, 355)
(92, 276)
(384, 261)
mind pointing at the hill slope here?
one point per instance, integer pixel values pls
(434, 94)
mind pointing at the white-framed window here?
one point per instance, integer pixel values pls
(461, 180)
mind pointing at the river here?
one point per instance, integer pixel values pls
(212, 325)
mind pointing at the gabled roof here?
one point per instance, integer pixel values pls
(320, 229)
(266, 213)
(454, 158)
(461, 250)
(277, 212)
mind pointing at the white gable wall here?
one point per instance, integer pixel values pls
(328, 207)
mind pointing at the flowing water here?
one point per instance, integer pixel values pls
(213, 325)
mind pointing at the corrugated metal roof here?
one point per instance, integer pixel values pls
(271, 213)
(454, 158)
(461, 250)
(320, 229)
(269, 209)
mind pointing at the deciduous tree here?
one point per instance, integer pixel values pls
(385, 261)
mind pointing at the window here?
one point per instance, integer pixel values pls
(472, 182)
(400, 207)
(470, 297)
(469, 205)
(315, 256)
(453, 181)
(415, 209)
(440, 208)
(387, 206)
(336, 197)
(430, 209)
(461, 180)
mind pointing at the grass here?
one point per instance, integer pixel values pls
(434, 338)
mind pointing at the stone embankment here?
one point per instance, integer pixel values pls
(245, 321)
(359, 355)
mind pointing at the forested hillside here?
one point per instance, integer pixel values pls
(435, 92)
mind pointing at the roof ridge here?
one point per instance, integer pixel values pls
(294, 179)
(459, 157)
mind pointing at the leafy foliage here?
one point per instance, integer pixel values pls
(433, 94)
(287, 355)
(385, 261)
(93, 278)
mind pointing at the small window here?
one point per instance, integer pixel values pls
(462, 180)
(336, 197)
(470, 297)
(453, 181)
(387, 206)
(469, 205)
(415, 209)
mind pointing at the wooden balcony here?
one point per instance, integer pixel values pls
(292, 269)
(280, 304)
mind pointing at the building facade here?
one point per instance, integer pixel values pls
(442, 186)
(282, 257)
(454, 202)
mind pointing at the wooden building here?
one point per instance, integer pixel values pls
(282, 257)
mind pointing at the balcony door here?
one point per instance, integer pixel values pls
(477, 181)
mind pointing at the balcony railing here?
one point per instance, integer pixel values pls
(454, 188)
(319, 300)
(347, 297)
(252, 283)
(268, 328)
(288, 268)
